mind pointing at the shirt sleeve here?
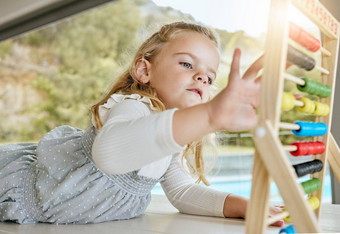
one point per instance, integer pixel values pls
(133, 137)
(189, 197)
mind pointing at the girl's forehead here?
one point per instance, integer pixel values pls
(194, 43)
(188, 40)
(189, 35)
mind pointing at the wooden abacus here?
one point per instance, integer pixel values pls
(270, 159)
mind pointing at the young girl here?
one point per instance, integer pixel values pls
(152, 118)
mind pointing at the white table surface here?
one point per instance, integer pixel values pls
(162, 217)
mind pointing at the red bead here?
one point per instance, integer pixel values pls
(308, 148)
(319, 147)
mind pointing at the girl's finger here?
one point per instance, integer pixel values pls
(279, 223)
(254, 69)
(258, 80)
(235, 65)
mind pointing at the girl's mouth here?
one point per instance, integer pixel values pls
(198, 91)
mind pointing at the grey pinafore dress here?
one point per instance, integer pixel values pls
(56, 181)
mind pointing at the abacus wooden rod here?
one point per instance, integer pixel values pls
(298, 103)
(333, 157)
(277, 217)
(289, 148)
(321, 69)
(289, 126)
(325, 52)
(294, 79)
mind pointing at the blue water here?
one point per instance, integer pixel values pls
(243, 188)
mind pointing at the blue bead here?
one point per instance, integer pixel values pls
(310, 129)
(288, 230)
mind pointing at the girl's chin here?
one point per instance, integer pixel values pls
(189, 104)
(184, 102)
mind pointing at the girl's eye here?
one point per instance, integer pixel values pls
(186, 65)
(210, 80)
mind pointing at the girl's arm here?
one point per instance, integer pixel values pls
(188, 197)
(132, 137)
(192, 198)
(235, 206)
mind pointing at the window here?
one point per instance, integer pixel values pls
(51, 76)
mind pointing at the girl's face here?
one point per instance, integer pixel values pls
(184, 70)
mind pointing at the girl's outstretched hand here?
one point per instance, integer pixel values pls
(234, 108)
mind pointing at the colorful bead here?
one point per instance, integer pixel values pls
(308, 106)
(288, 101)
(288, 230)
(310, 167)
(287, 219)
(308, 148)
(303, 38)
(312, 185)
(314, 88)
(314, 202)
(321, 109)
(300, 59)
(310, 129)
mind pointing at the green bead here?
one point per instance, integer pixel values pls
(314, 88)
(312, 185)
(326, 91)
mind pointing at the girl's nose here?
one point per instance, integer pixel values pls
(202, 79)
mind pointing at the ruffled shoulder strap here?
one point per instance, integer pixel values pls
(117, 98)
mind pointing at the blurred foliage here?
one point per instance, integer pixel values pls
(6, 48)
(87, 50)
(80, 56)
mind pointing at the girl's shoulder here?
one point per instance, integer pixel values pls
(119, 98)
(119, 104)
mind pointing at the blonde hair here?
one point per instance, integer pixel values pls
(127, 84)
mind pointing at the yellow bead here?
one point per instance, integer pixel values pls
(288, 101)
(314, 202)
(287, 218)
(321, 109)
(308, 107)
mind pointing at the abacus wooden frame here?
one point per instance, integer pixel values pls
(270, 161)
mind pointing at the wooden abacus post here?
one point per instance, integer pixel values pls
(333, 157)
(270, 160)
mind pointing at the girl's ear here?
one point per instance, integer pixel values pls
(142, 70)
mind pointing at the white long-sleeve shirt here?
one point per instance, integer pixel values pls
(134, 137)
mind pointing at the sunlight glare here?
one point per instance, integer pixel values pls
(294, 15)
